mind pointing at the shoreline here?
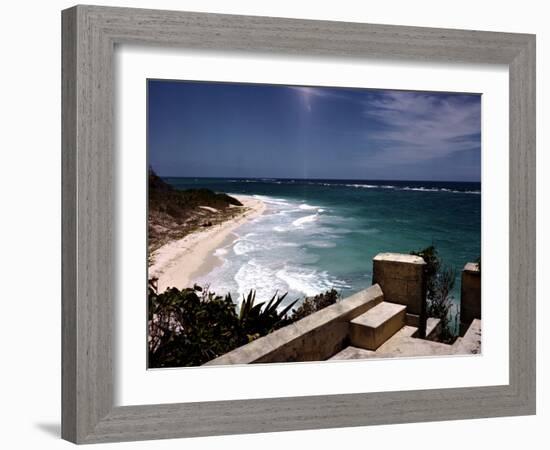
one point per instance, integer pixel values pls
(178, 262)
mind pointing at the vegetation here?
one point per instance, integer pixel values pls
(258, 320)
(192, 326)
(440, 281)
(178, 202)
(175, 213)
(314, 304)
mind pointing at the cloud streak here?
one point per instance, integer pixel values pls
(315, 132)
(412, 127)
(406, 127)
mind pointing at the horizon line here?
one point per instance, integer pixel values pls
(318, 179)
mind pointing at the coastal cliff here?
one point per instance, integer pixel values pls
(186, 227)
(173, 214)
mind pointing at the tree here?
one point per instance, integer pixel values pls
(440, 281)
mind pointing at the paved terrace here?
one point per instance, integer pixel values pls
(382, 321)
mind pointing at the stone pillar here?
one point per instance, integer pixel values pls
(470, 294)
(402, 280)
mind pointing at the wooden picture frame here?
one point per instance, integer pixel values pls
(90, 34)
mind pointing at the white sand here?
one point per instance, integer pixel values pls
(179, 263)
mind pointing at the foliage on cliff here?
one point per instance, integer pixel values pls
(179, 203)
(175, 213)
(192, 326)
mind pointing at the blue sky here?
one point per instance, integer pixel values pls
(201, 129)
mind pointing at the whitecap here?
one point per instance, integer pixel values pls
(307, 207)
(309, 282)
(253, 275)
(367, 186)
(322, 244)
(425, 189)
(420, 189)
(272, 200)
(300, 281)
(304, 220)
(243, 247)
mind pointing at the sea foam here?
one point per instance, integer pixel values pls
(305, 220)
(307, 207)
(309, 282)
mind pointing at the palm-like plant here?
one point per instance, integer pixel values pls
(191, 326)
(248, 309)
(258, 319)
(273, 305)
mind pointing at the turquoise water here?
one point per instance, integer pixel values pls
(319, 234)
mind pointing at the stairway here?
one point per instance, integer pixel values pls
(470, 343)
(382, 332)
(374, 327)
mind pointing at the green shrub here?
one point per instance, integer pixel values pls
(192, 326)
(258, 320)
(178, 203)
(314, 304)
(432, 269)
(440, 281)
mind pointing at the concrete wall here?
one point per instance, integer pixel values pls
(314, 338)
(401, 278)
(470, 294)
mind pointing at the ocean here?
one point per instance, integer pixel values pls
(321, 234)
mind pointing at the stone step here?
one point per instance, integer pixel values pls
(433, 328)
(433, 325)
(352, 353)
(377, 325)
(406, 331)
(412, 347)
(470, 343)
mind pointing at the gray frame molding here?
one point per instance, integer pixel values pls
(89, 36)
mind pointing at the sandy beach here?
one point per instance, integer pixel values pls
(180, 262)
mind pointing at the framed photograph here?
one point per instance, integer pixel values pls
(278, 224)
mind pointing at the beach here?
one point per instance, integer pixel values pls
(268, 203)
(180, 262)
(317, 235)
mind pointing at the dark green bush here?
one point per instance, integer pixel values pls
(314, 304)
(192, 326)
(440, 281)
(258, 320)
(433, 267)
(178, 203)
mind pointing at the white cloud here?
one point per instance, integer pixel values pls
(413, 126)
